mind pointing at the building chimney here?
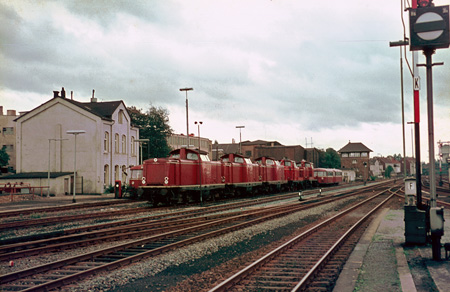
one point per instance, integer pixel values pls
(93, 99)
(55, 94)
(63, 93)
(10, 112)
(71, 94)
(1, 110)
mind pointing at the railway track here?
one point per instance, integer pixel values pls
(57, 274)
(78, 218)
(54, 209)
(132, 228)
(305, 262)
(16, 219)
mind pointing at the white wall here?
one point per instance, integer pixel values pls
(52, 120)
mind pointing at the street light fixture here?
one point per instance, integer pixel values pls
(400, 44)
(140, 141)
(75, 133)
(240, 138)
(187, 113)
(48, 177)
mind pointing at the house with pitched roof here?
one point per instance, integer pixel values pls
(356, 156)
(104, 152)
(378, 165)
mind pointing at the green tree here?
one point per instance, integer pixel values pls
(388, 171)
(153, 125)
(4, 157)
(329, 159)
(398, 157)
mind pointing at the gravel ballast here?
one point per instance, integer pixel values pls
(165, 271)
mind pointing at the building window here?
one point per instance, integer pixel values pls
(116, 143)
(106, 143)
(106, 175)
(116, 173)
(8, 131)
(124, 173)
(121, 117)
(8, 148)
(124, 144)
(354, 161)
(364, 154)
(133, 147)
(344, 154)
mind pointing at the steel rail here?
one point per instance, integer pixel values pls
(76, 259)
(14, 251)
(228, 283)
(216, 208)
(17, 250)
(303, 282)
(28, 211)
(60, 219)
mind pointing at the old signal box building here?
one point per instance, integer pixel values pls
(356, 156)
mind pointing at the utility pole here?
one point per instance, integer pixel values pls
(187, 113)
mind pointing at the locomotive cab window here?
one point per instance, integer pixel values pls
(204, 157)
(226, 159)
(270, 162)
(248, 161)
(136, 173)
(287, 163)
(175, 156)
(192, 156)
(239, 160)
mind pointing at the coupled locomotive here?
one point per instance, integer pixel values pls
(187, 175)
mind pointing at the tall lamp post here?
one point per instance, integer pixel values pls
(240, 138)
(75, 133)
(187, 113)
(199, 162)
(48, 177)
(140, 141)
(400, 44)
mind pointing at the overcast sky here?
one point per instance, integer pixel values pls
(289, 71)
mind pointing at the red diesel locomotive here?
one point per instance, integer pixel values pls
(187, 175)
